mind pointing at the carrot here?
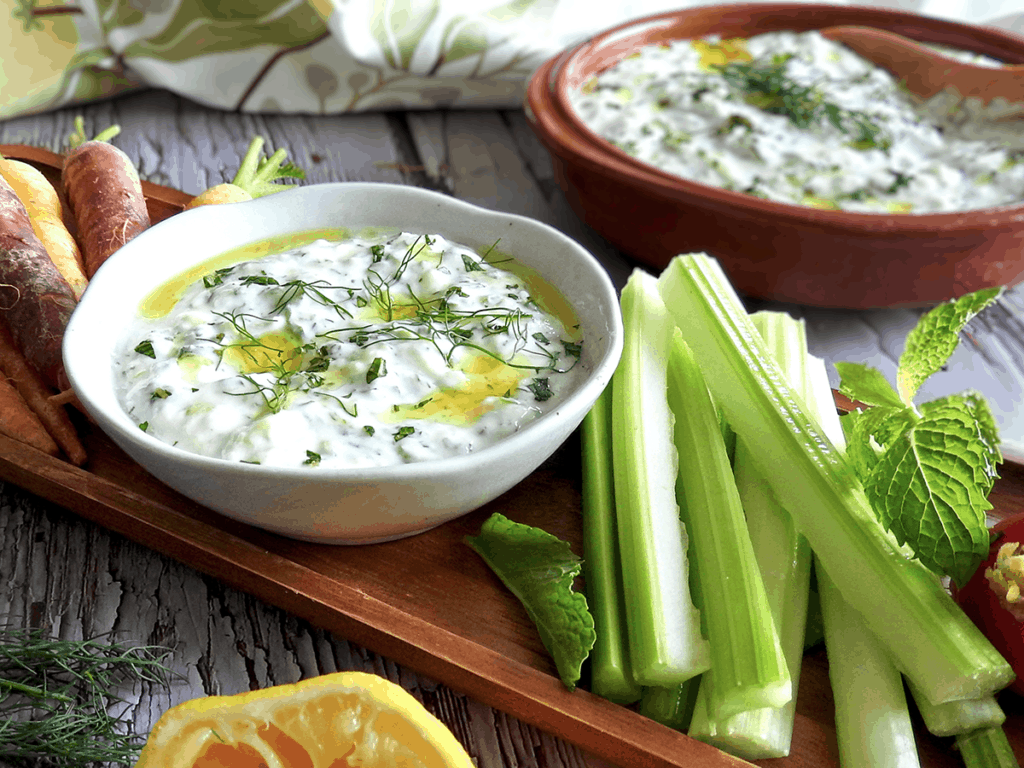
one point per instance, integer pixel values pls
(18, 422)
(39, 399)
(105, 195)
(35, 299)
(45, 212)
(256, 177)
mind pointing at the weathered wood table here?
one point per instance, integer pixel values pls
(74, 578)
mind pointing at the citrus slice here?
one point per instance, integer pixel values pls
(341, 720)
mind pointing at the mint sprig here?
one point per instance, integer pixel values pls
(927, 469)
(539, 569)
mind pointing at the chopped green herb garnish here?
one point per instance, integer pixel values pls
(541, 389)
(312, 458)
(144, 426)
(377, 369)
(470, 264)
(403, 432)
(901, 180)
(259, 280)
(146, 348)
(369, 430)
(767, 86)
(160, 394)
(734, 121)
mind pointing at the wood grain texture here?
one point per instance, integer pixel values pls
(61, 571)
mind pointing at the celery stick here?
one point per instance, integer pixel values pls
(784, 558)
(954, 718)
(872, 720)
(666, 646)
(672, 705)
(864, 677)
(932, 640)
(748, 670)
(610, 674)
(986, 748)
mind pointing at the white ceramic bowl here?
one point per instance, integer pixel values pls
(346, 506)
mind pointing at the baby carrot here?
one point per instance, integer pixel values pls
(18, 422)
(44, 211)
(36, 394)
(35, 299)
(105, 195)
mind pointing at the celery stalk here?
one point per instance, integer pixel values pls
(872, 720)
(672, 705)
(986, 748)
(930, 638)
(954, 718)
(863, 675)
(665, 643)
(610, 674)
(784, 558)
(748, 670)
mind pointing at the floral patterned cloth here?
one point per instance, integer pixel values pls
(320, 56)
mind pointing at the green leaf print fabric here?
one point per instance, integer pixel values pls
(316, 56)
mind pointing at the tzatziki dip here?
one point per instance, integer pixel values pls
(367, 351)
(796, 118)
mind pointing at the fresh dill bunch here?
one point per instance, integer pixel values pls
(58, 697)
(766, 85)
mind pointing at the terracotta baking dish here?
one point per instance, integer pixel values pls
(773, 250)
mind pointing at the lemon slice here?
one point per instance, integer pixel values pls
(333, 721)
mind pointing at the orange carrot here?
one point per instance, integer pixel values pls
(105, 195)
(18, 422)
(37, 395)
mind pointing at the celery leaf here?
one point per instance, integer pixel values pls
(932, 341)
(867, 385)
(539, 570)
(930, 487)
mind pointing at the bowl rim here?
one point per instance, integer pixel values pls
(116, 426)
(550, 112)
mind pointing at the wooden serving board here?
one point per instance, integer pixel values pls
(427, 601)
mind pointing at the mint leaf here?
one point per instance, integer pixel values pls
(539, 570)
(987, 433)
(867, 385)
(868, 432)
(930, 488)
(930, 344)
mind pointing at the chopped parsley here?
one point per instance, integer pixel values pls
(376, 370)
(541, 389)
(146, 348)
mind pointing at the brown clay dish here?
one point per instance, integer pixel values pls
(773, 250)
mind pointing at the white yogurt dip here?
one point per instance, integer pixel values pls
(796, 118)
(364, 352)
